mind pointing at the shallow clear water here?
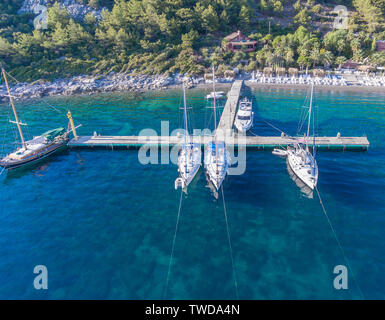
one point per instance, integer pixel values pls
(103, 223)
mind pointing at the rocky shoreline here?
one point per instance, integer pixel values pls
(90, 85)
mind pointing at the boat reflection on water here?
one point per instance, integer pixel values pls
(39, 171)
(211, 186)
(80, 160)
(307, 192)
(38, 168)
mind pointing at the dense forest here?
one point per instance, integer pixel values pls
(185, 36)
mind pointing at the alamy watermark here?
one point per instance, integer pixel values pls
(341, 21)
(169, 146)
(41, 280)
(341, 280)
(41, 21)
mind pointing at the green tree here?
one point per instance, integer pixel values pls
(210, 20)
(301, 35)
(326, 57)
(58, 16)
(278, 7)
(373, 47)
(372, 13)
(189, 39)
(315, 56)
(340, 61)
(225, 20)
(302, 18)
(94, 4)
(6, 50)
(245, 17)
(289, 57)
(265, 5)
(297, 6)
(378, 58)
(303, 61)
(237, 57)
(188, 17)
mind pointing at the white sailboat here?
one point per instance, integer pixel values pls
(190, 156)
(244, 117)
(301, 161)
(216, 154)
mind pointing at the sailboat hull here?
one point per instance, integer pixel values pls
(307, 172)
(189, 162)
(10, 164)
(300, 160)
(244, 126)
(216, 165)
(244, 117)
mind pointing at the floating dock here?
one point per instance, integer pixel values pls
(224, 129)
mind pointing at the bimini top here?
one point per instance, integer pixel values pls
(52, 134)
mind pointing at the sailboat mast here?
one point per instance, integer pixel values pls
(215, 112)
(215, 122)
(314, 138)
(185, 111)
(185, 126)
(310, 109)
(14, 110)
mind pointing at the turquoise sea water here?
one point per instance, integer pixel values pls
(103, 224)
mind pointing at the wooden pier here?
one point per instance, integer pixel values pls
(224, 130)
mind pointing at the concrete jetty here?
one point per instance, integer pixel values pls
(256, 142)
(229, 111)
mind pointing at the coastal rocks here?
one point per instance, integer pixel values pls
(89, 85)
(77, 11)
(31, 6)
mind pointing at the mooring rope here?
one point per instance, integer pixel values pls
(274, 127)
(173, 245)
(339, 245)
(230, 246)
(253, 133)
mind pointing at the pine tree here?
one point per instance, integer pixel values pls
(210, 20)
(245, 17)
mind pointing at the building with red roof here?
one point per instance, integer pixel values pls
(239, 42)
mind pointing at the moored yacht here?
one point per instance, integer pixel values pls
(37, 148)
(190, 156)
(244, 117)
(303, 164)
(299, 157)
(216, 155)
(216, 162)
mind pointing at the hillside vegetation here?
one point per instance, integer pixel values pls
(168, 36)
